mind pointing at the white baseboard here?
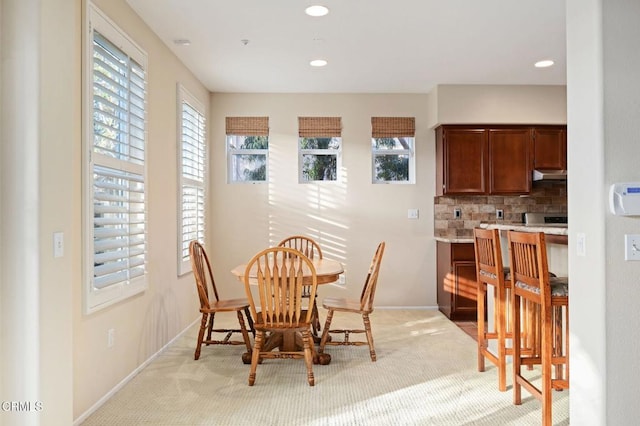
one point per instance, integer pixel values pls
(127, 379)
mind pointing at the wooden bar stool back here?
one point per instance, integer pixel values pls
(531, 283)
(490, 272)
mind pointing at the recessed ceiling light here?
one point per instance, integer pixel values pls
(544, 64)
(318, 63)
(182, 42)
(316, 10)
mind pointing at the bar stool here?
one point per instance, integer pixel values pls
(530, 283)
(490, 272)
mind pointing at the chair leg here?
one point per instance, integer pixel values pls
(250, 321)
(210, 326)
(547, 347)
(255, 357)
(243, 330)
(316, 319)
(325, 332)
(500, 305)
(516, 346)
(482, 327)
(308, 355)
(367, 328)
(203, 326)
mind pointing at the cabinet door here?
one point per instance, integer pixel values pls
(465, 296)
(550, 148)
(465, 152)
(509, 161)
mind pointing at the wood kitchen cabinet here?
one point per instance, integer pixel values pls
(457, 288)
(509, 161)
(477, 160)
(461, 160)
(550, 148)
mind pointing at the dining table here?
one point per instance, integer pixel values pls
(327, 271)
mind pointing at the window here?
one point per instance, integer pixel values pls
(319, 148)
(114, 168)
(247, 148)
(392, 148)
(191, 172)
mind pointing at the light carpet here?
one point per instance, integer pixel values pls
(426, 374)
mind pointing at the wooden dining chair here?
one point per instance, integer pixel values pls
(530, 282)
(364, 307)
(210, 306)
(310, 248)
(280, 272)
(490, 272)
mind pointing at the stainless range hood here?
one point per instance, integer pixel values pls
(541, 174)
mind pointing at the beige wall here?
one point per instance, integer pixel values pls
(348, 218)
(603, 108)
(145, 323)
(499, 104)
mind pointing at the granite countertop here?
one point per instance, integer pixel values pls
(547, 229)
(559, 231)
(454, 239)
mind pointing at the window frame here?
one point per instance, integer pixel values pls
(231, 152)
(394, 152)
(184, 97)
(336, 152)
(132, 173)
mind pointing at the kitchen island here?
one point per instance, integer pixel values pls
(556, 237)
(456, 273)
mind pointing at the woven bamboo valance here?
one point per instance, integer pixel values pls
(393, 127)
(247, 126)
(319, 127)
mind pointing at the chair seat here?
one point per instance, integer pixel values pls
(298, 326)
(507, 274)
(559, 286)
(228, 305)
(341, 304)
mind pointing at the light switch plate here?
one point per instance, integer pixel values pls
(631, 247)
(457, 213)
(413, 213)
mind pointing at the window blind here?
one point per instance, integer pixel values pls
(247, 126)
(390, 127)
(119, 211)
(327, 127)
(193, 154)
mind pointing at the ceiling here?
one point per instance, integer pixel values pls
(372, 46)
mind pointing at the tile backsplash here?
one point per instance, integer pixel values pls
(545, 197)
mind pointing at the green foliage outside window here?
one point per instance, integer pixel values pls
(317, 166)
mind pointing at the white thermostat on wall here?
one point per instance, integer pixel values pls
(624, 199)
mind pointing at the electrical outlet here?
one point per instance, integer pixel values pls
(581, 244)
(499, 214)
(111, 337)
(457, 213)
(342, 279)
(412, 213)
(58, 244)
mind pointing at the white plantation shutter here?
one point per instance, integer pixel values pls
(115, 174)
(192, 154)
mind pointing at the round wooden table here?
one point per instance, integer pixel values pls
(327, 271)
